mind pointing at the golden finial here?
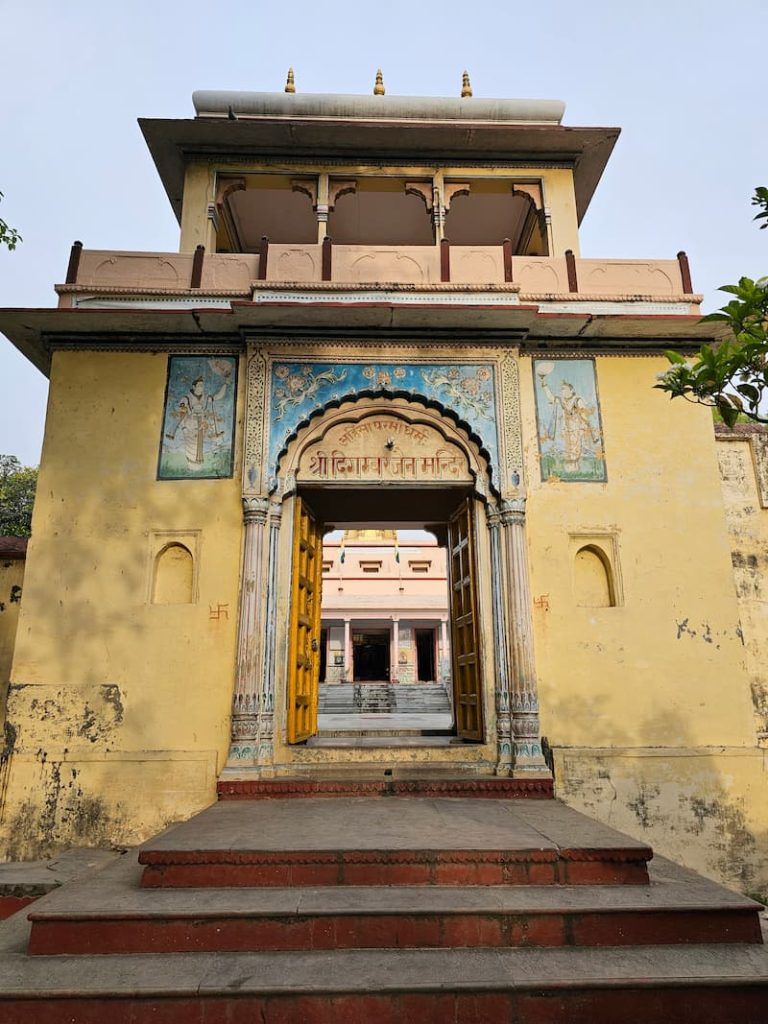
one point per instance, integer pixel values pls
(466, 85)
(290, 82)
(378, 89)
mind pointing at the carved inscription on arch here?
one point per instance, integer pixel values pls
(381, 447)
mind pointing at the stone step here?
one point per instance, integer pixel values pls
(364, 841)
(718, 984)
(111, 913)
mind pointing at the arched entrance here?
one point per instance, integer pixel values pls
(395, 462)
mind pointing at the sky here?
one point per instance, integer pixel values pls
(684, 80)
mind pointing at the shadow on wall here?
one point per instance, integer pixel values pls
(693, 806)
(104, 679)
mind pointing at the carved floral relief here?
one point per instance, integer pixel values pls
(298, 389)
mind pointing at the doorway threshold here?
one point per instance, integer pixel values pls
(382, 741)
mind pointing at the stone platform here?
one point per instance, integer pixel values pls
(418, 841)
(177, 931)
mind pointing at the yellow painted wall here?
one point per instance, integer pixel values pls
(11, 582)
(647, 704)
(121, 706)
(743, 458)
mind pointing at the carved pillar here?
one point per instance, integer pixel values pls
(527, 756)
(502, 694)
(267, 691)
(394, 649)
(246, 703)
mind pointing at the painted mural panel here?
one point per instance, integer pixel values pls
(568, 420)
(199, 418)
(299, 388)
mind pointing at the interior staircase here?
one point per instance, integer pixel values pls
(392, 906)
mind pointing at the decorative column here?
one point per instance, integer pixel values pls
(349, 668)
(502, 695)
(246, 705)
(267, 694)
(527, 759)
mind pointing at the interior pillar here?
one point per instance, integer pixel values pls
(246, 704)
(349, 668)
(527, 757)
(445, 664)
(394, 647)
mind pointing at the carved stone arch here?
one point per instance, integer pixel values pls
(338, 188)
(453, 189)
(399, 440)
(405, 406)
(424, 190)
(530, 191)
(225, 187)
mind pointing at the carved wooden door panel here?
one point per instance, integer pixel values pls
(464, 626)
(304, 642)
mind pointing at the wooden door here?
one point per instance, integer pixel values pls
(464, 626)
(304, 643)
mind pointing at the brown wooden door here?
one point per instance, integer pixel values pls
(304, 643)
(464, 627)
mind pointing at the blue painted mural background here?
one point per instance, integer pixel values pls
(297, 389)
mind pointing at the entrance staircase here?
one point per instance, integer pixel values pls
(383, 698)
(382, 908)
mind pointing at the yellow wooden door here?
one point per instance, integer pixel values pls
(464, 626)
(304, 643)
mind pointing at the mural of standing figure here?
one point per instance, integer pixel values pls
(569, 436)
(198, 421)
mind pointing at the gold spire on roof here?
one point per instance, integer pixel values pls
(371, 535)
(290, 82)
(378, 89)
(466, 85)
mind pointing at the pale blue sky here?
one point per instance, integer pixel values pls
(684, 80)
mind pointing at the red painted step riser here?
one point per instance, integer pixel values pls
(12, 904)
(224, 876)
(491, 789)
(703, 1004)
(444, 931)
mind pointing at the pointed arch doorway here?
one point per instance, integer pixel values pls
(385, 463)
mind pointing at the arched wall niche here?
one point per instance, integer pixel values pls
(374, 440)
(593, 578)
(173, 577)
(596, 569)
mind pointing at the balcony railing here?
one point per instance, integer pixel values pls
(533, 277)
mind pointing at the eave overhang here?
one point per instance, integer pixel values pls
(174, 143)
(37, 332)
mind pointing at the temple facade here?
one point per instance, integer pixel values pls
(385, 609)
(379, 319)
